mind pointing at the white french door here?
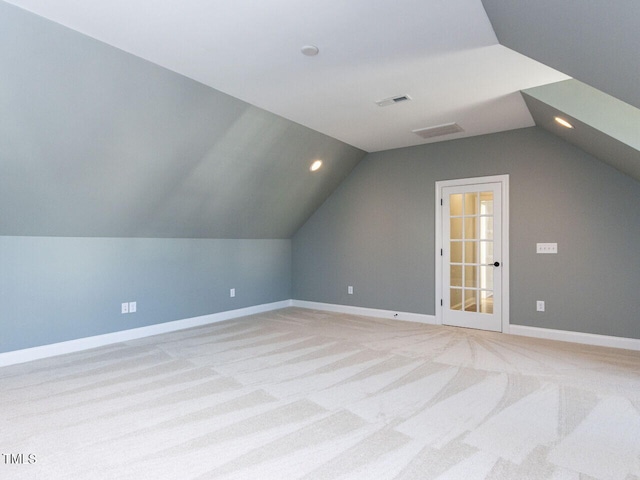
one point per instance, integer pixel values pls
(471, 255)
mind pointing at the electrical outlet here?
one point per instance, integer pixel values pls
(124, 308)
(232, 292)
(546, 248)
(540, 306)
(133, 307)
(350, 290)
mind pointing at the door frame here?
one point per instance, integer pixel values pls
(504, 258)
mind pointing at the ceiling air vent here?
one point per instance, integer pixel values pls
(438, 130)
(393, 100)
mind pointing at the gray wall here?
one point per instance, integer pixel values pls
(112, 168)
(54, 289)
(376, 232)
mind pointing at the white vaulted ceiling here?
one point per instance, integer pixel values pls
(443, 54)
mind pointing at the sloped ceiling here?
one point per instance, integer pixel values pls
(597, 44)
(97, 142)
(604, 126)
(443, 54)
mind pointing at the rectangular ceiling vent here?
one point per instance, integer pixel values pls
(393, 100)
(438, 130)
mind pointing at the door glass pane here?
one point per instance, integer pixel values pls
(486, 203)
(486, 278)
(456, 228)
(486, 252)
(456, 275)
(470, 227)
(456, 252)
(470, 300)
(455, 204)
(474, 218)
(470, 252)
(486, 228)
(471, 276)
(471, 203)
(486, 302)
(456, 299)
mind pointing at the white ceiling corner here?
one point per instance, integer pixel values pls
(445, 55)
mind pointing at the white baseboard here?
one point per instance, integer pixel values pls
(367, 312)
(576, 337)
(45, 351)
(536, 332)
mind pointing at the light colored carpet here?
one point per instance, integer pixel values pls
(313, 395)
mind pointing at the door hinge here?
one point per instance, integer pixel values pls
(441, 202)
(441, 252)
(441, 303)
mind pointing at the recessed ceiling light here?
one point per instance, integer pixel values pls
(563, 122)
(315, 165)
(309, 50)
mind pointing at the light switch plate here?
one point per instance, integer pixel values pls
(124, 308)
(133, 307)
(546, 248)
